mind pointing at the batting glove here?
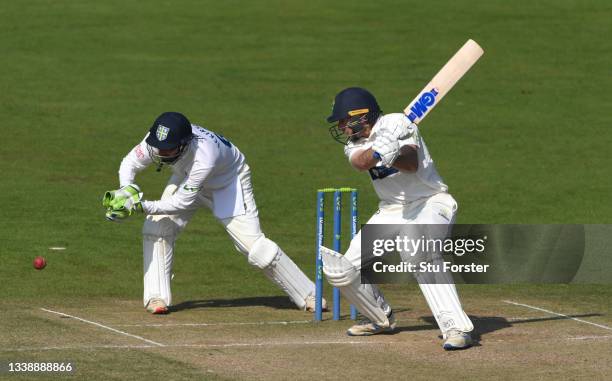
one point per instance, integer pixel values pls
(386, 149)
(399, 131)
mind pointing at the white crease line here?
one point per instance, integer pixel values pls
(558, 314)
(521, 318)
(203, 346)
(105, 327)
(590, 337)
(264, 344)
(76, 347)
(216, 324)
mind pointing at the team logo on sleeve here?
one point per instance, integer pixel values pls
(162, 132)
(191, 189)
(139, 152)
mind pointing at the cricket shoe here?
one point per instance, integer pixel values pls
(367, 328)
(455, 339)
(157, 307)
(311, 303)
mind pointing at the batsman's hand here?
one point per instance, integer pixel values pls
(398, 131)
(386, 149)
(122, 203)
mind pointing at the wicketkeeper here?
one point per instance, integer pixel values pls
(207, 172)
(405, 179)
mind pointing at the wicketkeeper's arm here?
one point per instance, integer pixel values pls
(185, 196)
(135, 161)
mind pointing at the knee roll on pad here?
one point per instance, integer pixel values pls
(339, 271)
(263, 253)
(169, 191)
(159, 226)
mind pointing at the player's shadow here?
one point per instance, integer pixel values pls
(487, 324)
(278, 302)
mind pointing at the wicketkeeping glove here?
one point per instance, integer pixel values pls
(123, 202)
(386, 148)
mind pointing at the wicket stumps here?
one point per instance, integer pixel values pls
(337, 236)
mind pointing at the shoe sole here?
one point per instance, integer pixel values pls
(159, 311)
(313, 310)
(381, 332)
(449, 347)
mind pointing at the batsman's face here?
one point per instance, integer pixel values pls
(363, 132)
(342, 126)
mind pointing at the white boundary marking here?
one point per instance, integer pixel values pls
(558, 314)
(105, 327)
(216, 324)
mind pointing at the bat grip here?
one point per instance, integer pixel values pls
(376, 155)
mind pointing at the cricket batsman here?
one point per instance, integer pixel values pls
(209, 172)
(390, 148)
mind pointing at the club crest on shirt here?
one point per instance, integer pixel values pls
(162, 132)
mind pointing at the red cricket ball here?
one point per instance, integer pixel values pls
(39, 263)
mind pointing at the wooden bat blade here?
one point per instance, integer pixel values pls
(443, 81)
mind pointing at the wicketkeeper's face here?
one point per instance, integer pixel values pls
(168, 152)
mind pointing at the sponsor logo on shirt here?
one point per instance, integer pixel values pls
(139, 152)
(377, 173)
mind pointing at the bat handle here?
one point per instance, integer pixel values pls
(376, 156)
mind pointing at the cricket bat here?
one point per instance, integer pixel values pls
(442, 82)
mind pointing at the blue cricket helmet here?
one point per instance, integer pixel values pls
(169, 131)
(356, 105)
(351, 102)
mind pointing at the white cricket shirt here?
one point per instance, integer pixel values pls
(392, 185)
(210, 164)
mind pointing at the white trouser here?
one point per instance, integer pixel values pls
(160, 233)
(442, 298)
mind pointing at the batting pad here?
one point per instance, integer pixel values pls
(365, 297)
(444, 303)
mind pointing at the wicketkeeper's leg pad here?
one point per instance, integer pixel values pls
(159, 234)
(278, 267)
(366, 298)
